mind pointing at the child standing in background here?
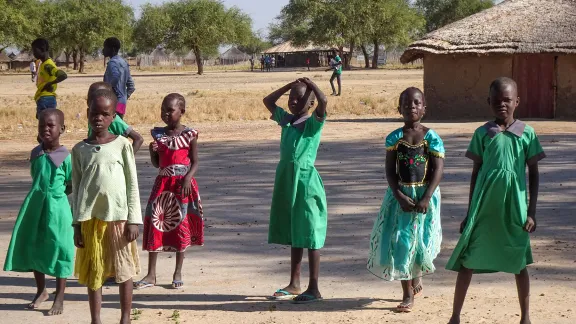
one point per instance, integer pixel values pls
(118, 125)
(106, 206)
(42, 240)
(118, 74)
(48, 76)
(407, 235)
(496, 232)
(174, 218)
(298, 215)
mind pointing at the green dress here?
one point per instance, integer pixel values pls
(403, 245)
(298, 216)
(43, 236)
(494, 239)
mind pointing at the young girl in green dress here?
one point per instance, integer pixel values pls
(42, 240)
(298, 215)
(406, 236)
(495, 234)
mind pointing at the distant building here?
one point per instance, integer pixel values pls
(288, 55)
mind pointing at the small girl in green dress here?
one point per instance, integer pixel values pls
(42, 240)
(495, 234)
(407, 234)
(298, 215)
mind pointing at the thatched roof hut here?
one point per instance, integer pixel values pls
(232, 56)
(290, 55)
(532, 41)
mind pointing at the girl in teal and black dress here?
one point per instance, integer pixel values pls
(406, 236)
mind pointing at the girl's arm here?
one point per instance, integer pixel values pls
(132, 190)
(154, 157)
(137, 140)
(193, 155)
(406, 203)
(475, 171)
(437, 173)
(534, 184)
(270, 100)
(320, 97)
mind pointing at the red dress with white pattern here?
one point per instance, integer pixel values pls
(173, 222)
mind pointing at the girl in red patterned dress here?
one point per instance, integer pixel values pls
(173, 219)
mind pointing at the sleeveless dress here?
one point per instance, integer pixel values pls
(298, 216)
(43, 236)
(173, 222)
(403, 245)
(494, 239)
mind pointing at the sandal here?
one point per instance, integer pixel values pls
(307, 299)
(142, 285)
(177, 284)
(285, 295)
(404, 307)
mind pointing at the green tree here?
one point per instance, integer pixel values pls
(198, 25)
(18, 23)
(439, 13)
(392, 23)
(254, 45)
(81, 26)
(350, 23)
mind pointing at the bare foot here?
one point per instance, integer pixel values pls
(418, 287)
(39, 299)
(57, 306)
(525, 321)
(294, 290)
(309, 292)
(454, 320)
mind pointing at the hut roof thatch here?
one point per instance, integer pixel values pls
(287, 47)
(4, 58)
(234, 53)
(513, 26)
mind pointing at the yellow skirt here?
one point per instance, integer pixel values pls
(106, 254)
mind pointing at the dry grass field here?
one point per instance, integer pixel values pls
(215, 96)
(227, 280)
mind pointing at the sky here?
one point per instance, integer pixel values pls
(262, 12)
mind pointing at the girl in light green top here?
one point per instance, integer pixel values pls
(106, 208)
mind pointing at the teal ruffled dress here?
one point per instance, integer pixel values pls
(403, 245)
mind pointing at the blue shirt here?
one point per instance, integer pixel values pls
(118, 75)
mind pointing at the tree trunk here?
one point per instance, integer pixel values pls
(349, 60)
(75, 59)
(376, 53)
(199, 60)
(68, 54)
(82, 56)
(366, 58)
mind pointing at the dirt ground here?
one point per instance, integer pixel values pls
(227, 280)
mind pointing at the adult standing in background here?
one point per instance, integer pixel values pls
(118, 74)
(336, 67)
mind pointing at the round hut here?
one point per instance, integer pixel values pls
(531, 41)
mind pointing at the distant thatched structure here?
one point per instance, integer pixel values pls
(233, 56)
(289, 55)
(532, 41)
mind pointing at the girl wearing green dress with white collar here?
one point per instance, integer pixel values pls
(496, 232)
(407, 234)
(43, 238)
(298, 215)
